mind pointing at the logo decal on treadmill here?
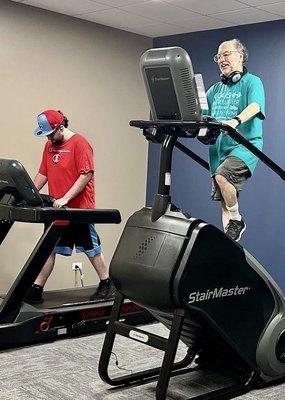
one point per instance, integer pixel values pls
(218, 293)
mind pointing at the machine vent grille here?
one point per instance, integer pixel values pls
(188, 90)
(144, 246)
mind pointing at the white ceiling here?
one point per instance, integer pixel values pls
(166, 17)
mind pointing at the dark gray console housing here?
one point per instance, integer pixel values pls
(170, 83)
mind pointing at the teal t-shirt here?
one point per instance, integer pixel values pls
(226, 102)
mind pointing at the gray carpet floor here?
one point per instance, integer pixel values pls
(67, 370)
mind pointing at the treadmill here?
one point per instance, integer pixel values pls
(64, 313)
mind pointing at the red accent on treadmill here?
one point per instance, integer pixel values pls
(129, 308)
(94, 313)
(60, 222)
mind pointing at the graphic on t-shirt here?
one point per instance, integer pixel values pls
(226, 105)
(56, 158)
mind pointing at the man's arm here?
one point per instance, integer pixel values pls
(75, 189)
(40, 180)
(247, 113)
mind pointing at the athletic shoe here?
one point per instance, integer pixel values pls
(235, 229)
(35, 295)
(105, 290)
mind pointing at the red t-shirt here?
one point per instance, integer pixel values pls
(62, 165)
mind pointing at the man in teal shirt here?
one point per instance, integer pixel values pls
(237, 100)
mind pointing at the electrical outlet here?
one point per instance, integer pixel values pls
(76, 265)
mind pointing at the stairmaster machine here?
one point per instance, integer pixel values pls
(209, 291)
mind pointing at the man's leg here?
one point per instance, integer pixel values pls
(235, 226)
(225, 215)
(216, 195)
(35, 295)
(229, 194)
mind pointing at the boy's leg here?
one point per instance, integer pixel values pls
(99, 265)
(88, 241)
(46, 271)
(106, 289)
(35, 294)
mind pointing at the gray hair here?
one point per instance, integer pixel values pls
(241, 48)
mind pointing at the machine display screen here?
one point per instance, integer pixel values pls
(163, 93)
(15, 181)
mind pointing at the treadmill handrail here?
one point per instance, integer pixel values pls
(233, 133)
(50, 214)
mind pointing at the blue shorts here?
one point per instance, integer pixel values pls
(81, 236)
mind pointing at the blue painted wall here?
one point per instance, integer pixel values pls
(263, 200)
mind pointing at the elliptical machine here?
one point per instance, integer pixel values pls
(209, 291)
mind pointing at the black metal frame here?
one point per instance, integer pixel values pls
(186, 129)
(12, 302)
(163, 198)
(5, 226)
(168, 367)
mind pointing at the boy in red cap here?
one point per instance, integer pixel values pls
(68, 168)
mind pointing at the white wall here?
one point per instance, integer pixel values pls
(91, 73)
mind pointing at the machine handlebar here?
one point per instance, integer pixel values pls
(190, 129)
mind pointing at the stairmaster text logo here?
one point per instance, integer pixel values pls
(218, 293)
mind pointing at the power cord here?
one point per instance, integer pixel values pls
(81, 278)
(77, 269)
(117, 364)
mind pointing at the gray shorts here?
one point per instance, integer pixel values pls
(235, 171)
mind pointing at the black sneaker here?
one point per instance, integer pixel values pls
(35, 295)
(105, 290)
(235, 229)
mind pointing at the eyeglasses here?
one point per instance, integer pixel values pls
(226, 54)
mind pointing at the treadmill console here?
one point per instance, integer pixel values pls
(16, 185)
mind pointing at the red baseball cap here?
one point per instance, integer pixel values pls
(48, 121)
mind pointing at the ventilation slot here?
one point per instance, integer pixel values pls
(188, 90)
(144, 246)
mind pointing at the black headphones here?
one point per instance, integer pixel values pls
(234, 77)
